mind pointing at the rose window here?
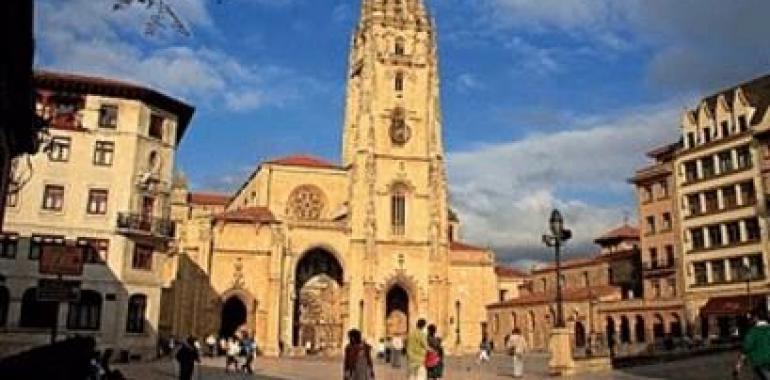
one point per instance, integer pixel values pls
(306, 203)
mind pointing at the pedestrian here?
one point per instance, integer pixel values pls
(756, 347)
(434, 358)
(231, 355)
(388, 349)
(381, 349)
(484, 348)
(397, 349)
(223, 345)
(358, 358)
(247, 345)
(416, 348)
(517, 347)
(187, 355)
(211, 344)
(171, 346)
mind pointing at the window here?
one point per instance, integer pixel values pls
(655, 285)
(586, 280)
(39, 242)
(670, 259)
(12, 195)
(103, 153)
(53, 197)
(95, 251)
(399, 82)
(697, 238)
(398, 210)
(690, 171)
(725, 126)
(729, 198)
(9, 245)
(743, 124)
(137, 306)
(736, 269)
(544, 282)
(725, 162)
(701, 276)
(4, 302)
(663, 189)
(733, 233)
(690, 139)
(59, 149)
(707, 167)
(706, 135)
(715, 235)
(666, 221)
(752, 229)
(156, 127)
(756, 267)
(650, 224)
(693, 201)
(108, 116)
(399, 48)
(744, 157)
(503, 294)
(718, 271)
(653, 257)
(142, 258)
(86, 313)
(97, 201)
(711, 201)
(34, 313)
(671, 286)
(748, 195)
(646, 193)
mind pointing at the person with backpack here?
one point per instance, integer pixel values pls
(248, 351)
(357, 363)
(756, 347)
(187, 355)
(434, 357)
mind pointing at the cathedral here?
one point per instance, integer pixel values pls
(306, 249)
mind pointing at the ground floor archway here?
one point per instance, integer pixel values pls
(396, 312)
(319, 302)
(580, 334)
(233, 317)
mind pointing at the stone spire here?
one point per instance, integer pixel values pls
(401, 14)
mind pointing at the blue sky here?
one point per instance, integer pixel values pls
(546, 102)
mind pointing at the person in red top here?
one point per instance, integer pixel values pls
(358, 358)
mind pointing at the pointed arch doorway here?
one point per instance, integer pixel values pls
(234, 316)
(396, 311)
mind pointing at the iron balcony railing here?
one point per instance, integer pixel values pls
(135, 223)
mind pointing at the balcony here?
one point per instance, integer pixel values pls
(143, 225)
(657, 269)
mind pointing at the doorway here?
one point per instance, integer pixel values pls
(233, 316)
(396, 312)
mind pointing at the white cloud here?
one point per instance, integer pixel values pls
(505, 192)
(467, 82)
(87, 36)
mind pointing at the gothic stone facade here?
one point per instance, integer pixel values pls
(376, 228)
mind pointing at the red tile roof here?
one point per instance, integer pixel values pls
(506, 271)
(571, 263)
(303, 160)
(248, 215)
(569, 295)
(623, 232)
(208, 199)
(460, 246)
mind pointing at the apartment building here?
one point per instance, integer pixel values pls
(101, 186)
(721, 199)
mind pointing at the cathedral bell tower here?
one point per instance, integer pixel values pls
(392, 131)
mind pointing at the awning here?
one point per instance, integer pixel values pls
(732, 305)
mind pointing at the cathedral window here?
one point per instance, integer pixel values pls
(306, 203)
(398, 209)
(399, 82)
(399, 50)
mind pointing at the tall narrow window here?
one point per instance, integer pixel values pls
(725, 125)
(743, 125)
(86, 313)
(108, 116)
(399, 82)
(59, 149)
(398, 210)
(399, 48)
(104, 152)
(4, 302)
(95, 251)
(9, 245)
(156, 127)
(97, 201)
(137, 306)
(142, 258)
(53, 197)
(12, 197)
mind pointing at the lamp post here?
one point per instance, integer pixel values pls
(457, 326)
(557, 237)
(747, 275)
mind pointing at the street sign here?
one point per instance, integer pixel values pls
(61, 260)
(58, 290)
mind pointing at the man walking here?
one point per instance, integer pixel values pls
(756, 346)
(187, 355)
(416, 348)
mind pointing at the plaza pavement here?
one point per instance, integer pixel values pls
(712, 367)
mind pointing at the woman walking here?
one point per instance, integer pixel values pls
(517, 347)
(435, 364)
(358, 358)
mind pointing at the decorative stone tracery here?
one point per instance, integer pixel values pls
(306, 202)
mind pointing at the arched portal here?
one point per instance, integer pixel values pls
(610, 331)
(639, 331)
(580, 334)
(318, 307)
(233, 317)
(397, 311)
(625, 330)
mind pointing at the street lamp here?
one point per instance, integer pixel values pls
(558, 236)
(747, 275)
